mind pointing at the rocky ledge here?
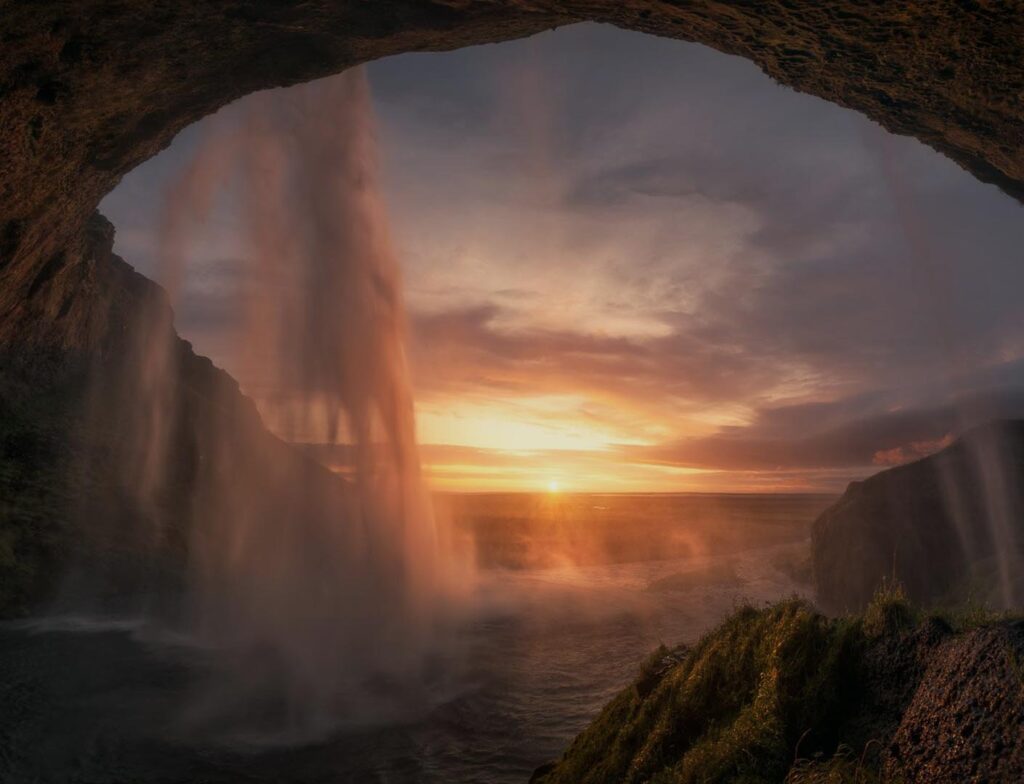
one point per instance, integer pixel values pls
(785, 694)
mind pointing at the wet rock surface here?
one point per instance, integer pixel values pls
(893, 667)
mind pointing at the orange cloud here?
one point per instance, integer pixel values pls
(910, 452)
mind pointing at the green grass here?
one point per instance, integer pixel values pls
(971, 615)
(843, 767)
(889, 612)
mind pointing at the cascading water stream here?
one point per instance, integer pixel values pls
(319, 600)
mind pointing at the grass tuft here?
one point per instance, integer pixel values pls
(843, 767)
(889, 611)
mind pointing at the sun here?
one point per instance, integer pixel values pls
(554, 486)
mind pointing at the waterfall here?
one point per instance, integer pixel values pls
(316, 600)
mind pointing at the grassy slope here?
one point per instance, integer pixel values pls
(777, 694)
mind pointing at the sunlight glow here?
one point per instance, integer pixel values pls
(553, 486)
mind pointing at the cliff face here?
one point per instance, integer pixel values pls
(65, 337)
(950, 527)
(72, 505)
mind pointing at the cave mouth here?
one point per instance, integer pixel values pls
(678, 282)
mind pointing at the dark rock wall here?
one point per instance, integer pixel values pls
(941, 526)
(90, 88)
(72, 512)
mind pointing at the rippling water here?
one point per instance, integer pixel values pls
(557, 632)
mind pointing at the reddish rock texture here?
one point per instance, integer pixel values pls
(966, 720)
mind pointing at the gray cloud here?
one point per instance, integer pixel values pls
(804, 443)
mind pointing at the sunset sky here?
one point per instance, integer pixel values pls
(638, 264)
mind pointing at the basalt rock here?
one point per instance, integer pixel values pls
(949, 527)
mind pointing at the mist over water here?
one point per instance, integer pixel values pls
(312, 601)
(556, 631)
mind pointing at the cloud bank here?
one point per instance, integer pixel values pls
(644, 259)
